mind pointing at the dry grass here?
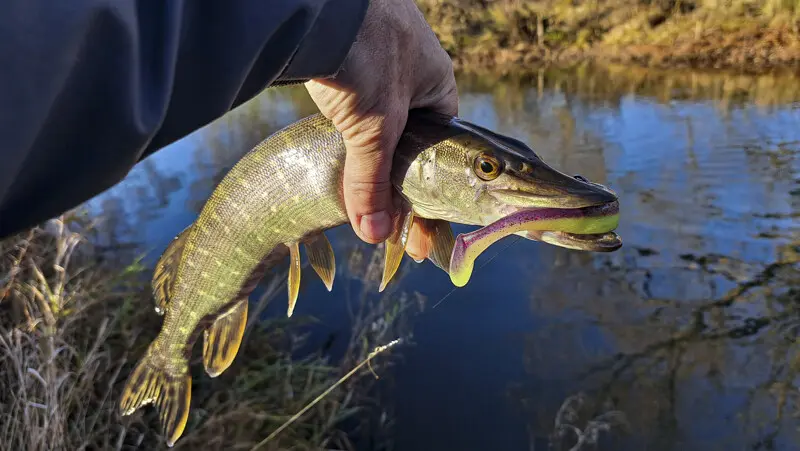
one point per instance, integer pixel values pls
(508, 36)
(73, 321)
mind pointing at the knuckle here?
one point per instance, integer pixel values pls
(368, 191)
(375, 133)
(369, 186)
(364, 129)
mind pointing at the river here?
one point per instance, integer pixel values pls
(684, 339)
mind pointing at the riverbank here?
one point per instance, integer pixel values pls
(75, 318)
(509, 36)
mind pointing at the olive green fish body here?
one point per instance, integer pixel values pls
(278, 193)
(288, 191)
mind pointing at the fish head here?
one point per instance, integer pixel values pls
(463, 173)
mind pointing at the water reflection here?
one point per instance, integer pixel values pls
(688, 331)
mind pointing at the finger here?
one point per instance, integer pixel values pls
(370, 144)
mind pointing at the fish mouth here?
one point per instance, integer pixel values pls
(592, 242)
(590, 228)
(587, 229)
(553, 189)
(592, 197)
(584, 219)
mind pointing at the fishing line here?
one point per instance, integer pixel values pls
(294, 417)
(366, 361)
(515, 238)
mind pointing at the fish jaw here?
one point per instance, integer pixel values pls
(588, 228)
(595, 242)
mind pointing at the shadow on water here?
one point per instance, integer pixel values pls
(685, 339)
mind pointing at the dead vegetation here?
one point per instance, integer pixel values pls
(509, 36)
(73, 321)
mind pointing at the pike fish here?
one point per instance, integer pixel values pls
(287, 191)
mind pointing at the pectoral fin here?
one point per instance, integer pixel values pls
(164, 274)
(294, 275)
(433, 239)
(441, 244)
(221, 341)
(396, 246)
(320, 255)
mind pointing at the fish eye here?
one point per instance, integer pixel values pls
(487, 167)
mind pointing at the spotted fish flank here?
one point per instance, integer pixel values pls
(287, 191)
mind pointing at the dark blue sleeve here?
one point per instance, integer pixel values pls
(90, 87)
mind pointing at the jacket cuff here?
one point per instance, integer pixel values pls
(325, 46)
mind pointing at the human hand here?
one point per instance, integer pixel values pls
(395, 64)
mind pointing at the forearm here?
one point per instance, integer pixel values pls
(89, 88)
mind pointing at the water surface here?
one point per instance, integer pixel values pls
(688, 332)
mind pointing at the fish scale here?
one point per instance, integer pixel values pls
(288, 190)
(260, 167)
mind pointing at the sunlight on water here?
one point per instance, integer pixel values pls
(689, 330)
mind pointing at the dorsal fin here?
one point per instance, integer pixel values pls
(164, 273)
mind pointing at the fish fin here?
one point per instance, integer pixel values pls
(164, 274)
(171, 393)
(221, 341)
(396, 247)
(320, 255)
(442, 242)
(294, 276)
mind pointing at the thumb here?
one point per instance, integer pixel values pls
(370, 142)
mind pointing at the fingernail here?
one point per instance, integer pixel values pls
(376, 226)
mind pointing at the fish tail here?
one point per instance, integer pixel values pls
(168, 387)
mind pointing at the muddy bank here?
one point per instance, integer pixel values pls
(510, 36)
